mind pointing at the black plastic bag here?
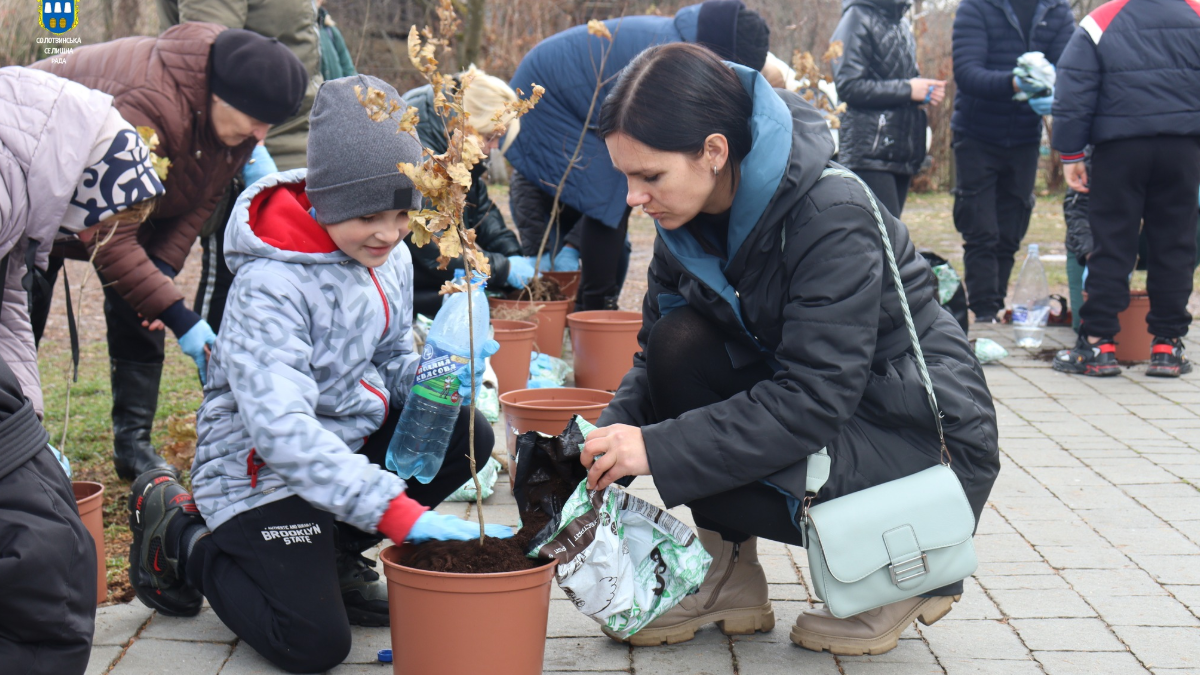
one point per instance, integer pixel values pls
(547, 472)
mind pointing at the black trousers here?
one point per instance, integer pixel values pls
(688, 368)
(47, 572)
(891, 189)
(280, 593)
(993, 200)
(603, 251)
(215, 276)
(1148, 185)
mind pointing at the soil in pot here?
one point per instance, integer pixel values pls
(496, 555)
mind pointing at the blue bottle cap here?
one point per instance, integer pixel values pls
(385, 656)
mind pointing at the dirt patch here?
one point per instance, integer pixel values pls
(468, 557)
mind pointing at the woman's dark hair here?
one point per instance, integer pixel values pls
(672, 97)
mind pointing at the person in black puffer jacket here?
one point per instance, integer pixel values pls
(996, 139)
(1140, 108)
(883, 128)
(499, 244)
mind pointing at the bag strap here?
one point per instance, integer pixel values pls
(819, 463)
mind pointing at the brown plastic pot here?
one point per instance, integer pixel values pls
(604, 342)
(1134, 340)
(568, 282)
(511, 362)
(89, 499)
(466, 623)
(548, 411)
(551, 321)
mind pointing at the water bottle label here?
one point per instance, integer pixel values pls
(1020, 314)
(437, 376)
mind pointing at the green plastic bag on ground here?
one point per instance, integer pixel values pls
(622, 560)
(487, 481)
(948, 282)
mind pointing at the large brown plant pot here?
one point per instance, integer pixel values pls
(1133, 342)
(551, 321)
(568, 282)
(511, 362)
(548, 411)
(466, 623)
(89, 499)
(604, 342)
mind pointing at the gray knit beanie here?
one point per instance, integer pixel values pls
(352, 160)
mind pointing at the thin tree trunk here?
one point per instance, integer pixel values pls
(474, 32)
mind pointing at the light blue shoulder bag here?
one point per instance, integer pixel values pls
(893, 541)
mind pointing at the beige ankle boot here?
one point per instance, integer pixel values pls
(734, 595)
(873, 632)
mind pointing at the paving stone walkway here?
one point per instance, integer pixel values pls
(1089, 560)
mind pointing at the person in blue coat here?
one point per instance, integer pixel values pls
(996, 138)
(592, 226)
(1129, 84)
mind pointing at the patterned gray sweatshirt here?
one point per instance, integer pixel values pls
(313, 350)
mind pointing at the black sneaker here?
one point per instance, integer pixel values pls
(1096, 360)
(1167, 358)
(159, 512)
(363, 593)
(987, 319)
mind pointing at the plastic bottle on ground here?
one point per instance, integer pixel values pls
(419, 445)
(1031, 302)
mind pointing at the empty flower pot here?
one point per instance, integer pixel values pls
(466, 623)
(604, 342)
(548, 411)
(89, 499)
(1133, 342)
(511, 362)
(550, 317)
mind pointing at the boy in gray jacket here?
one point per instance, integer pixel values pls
(305, 386)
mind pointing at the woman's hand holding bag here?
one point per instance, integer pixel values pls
(612, 453)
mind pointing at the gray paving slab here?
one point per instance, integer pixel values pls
(1083, 663)
(149, 656)
(204, 627)
(117, 624)
(1075, 635)
(703, 659)
(365, 644)
(101, 658)
(574, 654)
(246, 661)
(1162, 647)
(1129, 581)
(974, 640)
(778, 658)
(1157, 610)
(959, 666)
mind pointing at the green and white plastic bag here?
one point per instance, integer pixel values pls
(487, 481)
(622, 560)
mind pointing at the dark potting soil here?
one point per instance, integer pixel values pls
(468, 557)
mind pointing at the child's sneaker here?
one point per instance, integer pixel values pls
(160, 511)
(363, 593)
(1096, 360)
(1167, 358)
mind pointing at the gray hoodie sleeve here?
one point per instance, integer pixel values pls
(395, 359)
(268, 331)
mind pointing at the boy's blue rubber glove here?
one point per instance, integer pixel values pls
(1043, 104)
(566, 260)
(433, 525)
(193, 344)
(467, 389)
(520, 270)
(260, 164)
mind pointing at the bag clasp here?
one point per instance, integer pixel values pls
(907, 570)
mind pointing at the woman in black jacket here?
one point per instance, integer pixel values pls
(883, 128)
(771, 329)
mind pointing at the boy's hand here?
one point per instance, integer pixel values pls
(1076, 175)
(433, 525)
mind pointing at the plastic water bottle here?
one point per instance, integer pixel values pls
(419, 445)
(1031, 302)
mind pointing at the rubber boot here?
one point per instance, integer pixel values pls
(135, 400)
(733, 595)
(873, 632)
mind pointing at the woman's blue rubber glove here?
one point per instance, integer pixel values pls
(260, 164)
(467, 389)
(433, 525)
(520, 270)
(566, 260)
(195, 343)
(1043, 104)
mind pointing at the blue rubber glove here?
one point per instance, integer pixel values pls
(1043, 104)
(433, 525)
(193, 343)
(260, 164)
(520, 270)
(566, 260)
(62, 460)
(467, 389)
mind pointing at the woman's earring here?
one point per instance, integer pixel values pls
(716, 171)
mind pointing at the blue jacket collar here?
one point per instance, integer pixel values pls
(761, 172)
